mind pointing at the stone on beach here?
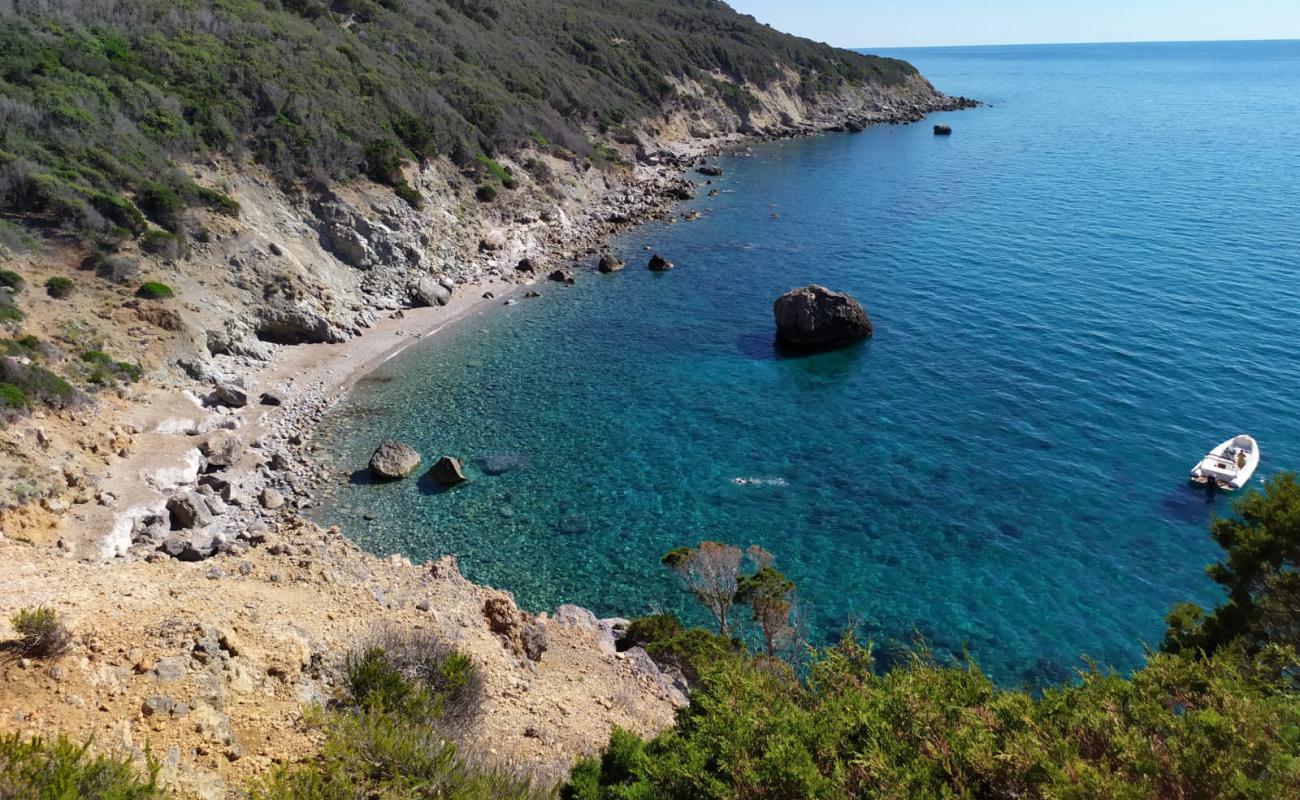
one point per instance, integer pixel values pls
(814, 316)
(447, 471)
(394, 459)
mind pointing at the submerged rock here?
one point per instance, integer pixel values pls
(501, 463)
(394, 459)
(814, 316)
(447, 471)
(659, 264)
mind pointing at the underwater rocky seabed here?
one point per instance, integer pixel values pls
(1089, 284)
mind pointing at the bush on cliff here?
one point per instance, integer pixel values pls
(394, 734)
(54, 769)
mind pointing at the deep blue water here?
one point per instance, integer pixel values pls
(1090, 283)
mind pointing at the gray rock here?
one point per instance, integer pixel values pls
(188, 510)
(298, 325)
(710, 170)
(562, 276)
(158, 705)
(814, 316)
(229, 394)
(609, 263)
(425, 291)
(942, 130)
(576, 616)
(393, 460)
(169, 669)
(222, 449)
(271, 499)
(271, 399)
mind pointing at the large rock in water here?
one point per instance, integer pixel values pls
(447, 471)
(393, 460)
(813, 316)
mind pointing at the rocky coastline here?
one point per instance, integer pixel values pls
(221, 611)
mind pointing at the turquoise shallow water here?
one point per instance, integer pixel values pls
(1090, 283)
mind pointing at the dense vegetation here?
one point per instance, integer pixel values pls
(96, 99)
(1217, 717)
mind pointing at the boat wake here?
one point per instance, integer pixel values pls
(760, 481)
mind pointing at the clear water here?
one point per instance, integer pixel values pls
(1090, 283)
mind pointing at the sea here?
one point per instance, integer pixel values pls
(1090, 283)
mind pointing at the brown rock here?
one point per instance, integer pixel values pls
(659, 264)
(814, 316)
(447, 471)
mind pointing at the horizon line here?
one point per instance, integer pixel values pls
(1072, 44)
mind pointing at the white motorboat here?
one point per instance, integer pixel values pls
(1230, 465)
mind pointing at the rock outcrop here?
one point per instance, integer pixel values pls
(609, 263)
(393, 460)
(813, 317)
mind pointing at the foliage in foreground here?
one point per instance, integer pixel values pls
(1261, 575)
(58, 769)
(1180, 727)
(393, 737)
(1215, 716)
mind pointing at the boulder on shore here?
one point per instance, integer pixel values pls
(562, 276)
(447, 471)
(393, 460)
(813, 316)
(710, 170)
(659, 264)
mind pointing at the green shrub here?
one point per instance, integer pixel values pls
(498, 171)
(10, 314)
(161, 204)
(409, 193)
(161, 243)
(219, 202)
(41, 634)
(154, 290)
(417, 673)
(58, 769)
(377, 753)
(59, 286)
(485, 193)
(1180, 727)
(12, 280)
(13, 398)
(107, 372)
(39, 384)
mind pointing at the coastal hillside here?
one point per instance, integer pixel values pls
(185, 189)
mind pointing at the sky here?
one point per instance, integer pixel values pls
(900, 23)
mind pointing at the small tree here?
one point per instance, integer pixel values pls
(770, 597)
(711, 572)
(1260, 574)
